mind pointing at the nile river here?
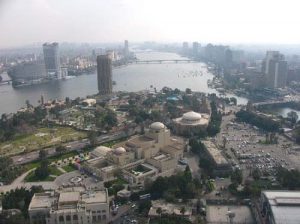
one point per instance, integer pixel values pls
(129, 78)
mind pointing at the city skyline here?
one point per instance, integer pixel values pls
(231, 22)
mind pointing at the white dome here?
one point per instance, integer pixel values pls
(157, 126)
(119, 150)
(191, 116)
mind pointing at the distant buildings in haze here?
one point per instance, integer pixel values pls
(275, 69)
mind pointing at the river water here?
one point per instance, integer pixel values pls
(129, 78)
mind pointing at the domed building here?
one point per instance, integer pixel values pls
(191, 123)
(119, 150)
(157, 126)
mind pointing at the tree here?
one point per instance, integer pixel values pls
(159, 211)
(28, 105)
(60, 149)
(237, 177)
(188, 91)
(42, 172)
(182, 210)
(293, 117)
(92, 136)
(43, 154)
(256, 174)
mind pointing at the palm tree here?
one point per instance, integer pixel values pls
(159, 211)
(182, 210)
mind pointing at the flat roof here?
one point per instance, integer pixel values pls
(67, 197)
(42, 200)
(285, 205)
(94, 197)
(215, 153)
(140, 140)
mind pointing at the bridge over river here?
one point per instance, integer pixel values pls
(161, 61)
(274, 102)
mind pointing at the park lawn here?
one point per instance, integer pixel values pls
(52, 170)
(41, 138)
(114, 142)
(35, 164)
(69, 168)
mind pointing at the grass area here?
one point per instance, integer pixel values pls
(35, 164)
(112, 143)
(69, 168)
(52, 170)
(41, 138)
(118, 181)
(169, 220)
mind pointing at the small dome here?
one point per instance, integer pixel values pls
(191, 116)
(157, 126)
(119, 150)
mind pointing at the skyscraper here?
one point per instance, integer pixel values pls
(104, 74)
(185, 47)
(126, 49)
(52, 60)
(275, 69)
(195, 49)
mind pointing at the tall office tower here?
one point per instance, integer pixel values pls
(104, 74)
(275, 69)
(185, 47)
(195, 49)
(52, 60)
(126, 49)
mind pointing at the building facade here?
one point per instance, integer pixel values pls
(104, 74)
(275, 69)
(52, 60)
(71, 206)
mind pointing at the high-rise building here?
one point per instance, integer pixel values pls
(195, 49)
(52, 60)
(126, 49)
(185, 47)
(275, 69)
(104, 74)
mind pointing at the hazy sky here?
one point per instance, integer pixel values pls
(223, 21)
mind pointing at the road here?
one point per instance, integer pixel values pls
(193, 162)
(71, 146)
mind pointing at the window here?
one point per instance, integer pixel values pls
(68, 218)
(103, 217)
(99, 217)
(103, 211)
(93, 212)
(94, 218)
(75, 217)
(61, 218)
(99, 211)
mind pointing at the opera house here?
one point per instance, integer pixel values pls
(156, 153)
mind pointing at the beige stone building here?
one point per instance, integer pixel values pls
(69, 206)
(145, 156)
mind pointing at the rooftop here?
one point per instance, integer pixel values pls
(94, 197)
(41, 200)
(69, 197)
(215, 153)
(285, 205)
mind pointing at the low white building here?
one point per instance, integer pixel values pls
(281, 206)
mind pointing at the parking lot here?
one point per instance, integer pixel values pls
(246, 148)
